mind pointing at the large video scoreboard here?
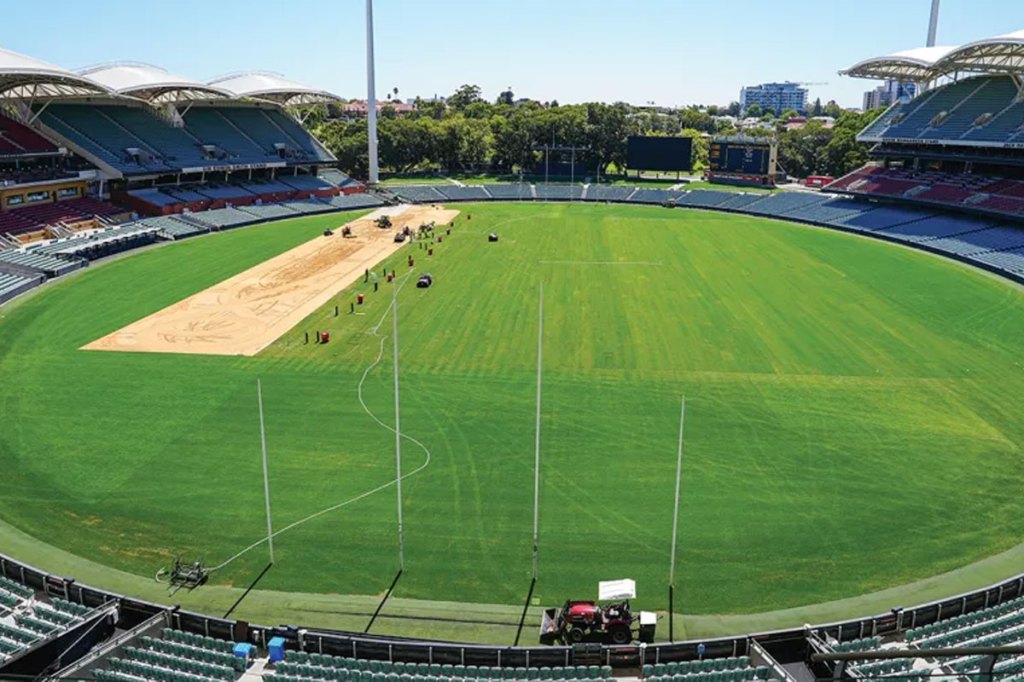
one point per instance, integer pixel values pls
(750, 158)
(659, 153)
(742, 160)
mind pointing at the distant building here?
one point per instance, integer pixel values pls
(798, 122)
(358, 106)
(775, 96)
(888, 93)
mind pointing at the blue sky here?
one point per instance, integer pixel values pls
(667, 51)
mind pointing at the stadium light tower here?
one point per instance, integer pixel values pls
(933, 23)
(371, 97)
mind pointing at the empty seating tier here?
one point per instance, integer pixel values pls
(734, 669)
(608, 193)
(351, 201)
(979, 109)
(301, 667)
(463, 193)
(269, 211)
(513, 191)
(138, 140)
(419, 195)
(17, 139)
(174, 227)
(558, 192)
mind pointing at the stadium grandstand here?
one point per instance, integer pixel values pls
(64, 629)
(142, 137)
(83, 153)
(959, 143)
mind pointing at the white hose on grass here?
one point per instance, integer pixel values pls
(374, 331)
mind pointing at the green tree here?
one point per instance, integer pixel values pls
(464, 96)
(506, 97)
(754, 111)
(510, 142)
(348, 142)
(476, 144)
(801, 149)
(433, 109)
(694, 118)
(607, 127)
(479, 109)
(843, 153)
(816, 110)
(405, 142)
(832, 109)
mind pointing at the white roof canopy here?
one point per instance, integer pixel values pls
(151, 83)
(23, 77)
(272, 87)
(1001, 54)
(909, 65)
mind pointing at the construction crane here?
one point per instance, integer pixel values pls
(811, 84)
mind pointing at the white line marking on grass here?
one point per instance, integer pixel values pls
(600, 262)
(374, 331)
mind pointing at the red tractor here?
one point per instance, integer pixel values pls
(581, 621)
(587, 621)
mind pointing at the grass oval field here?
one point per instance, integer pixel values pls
(851, 415)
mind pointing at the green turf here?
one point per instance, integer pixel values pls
(851, 415)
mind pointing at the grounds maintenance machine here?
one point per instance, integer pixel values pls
(589, 621)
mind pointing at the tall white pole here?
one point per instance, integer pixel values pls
(536, 452)
(675, 513)
(371, 97)
(933, 23)
(266, 476)
(398, 433)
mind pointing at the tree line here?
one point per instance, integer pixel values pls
(468, 133)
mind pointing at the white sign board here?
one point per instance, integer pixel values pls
(615, 590)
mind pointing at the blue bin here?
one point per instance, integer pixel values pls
(276, 648)
(243, 650)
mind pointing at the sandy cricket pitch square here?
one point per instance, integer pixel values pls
(246, 313)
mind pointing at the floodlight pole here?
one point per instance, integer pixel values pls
(398, 434)
(266, 477)
(933, 23)
(371, 98)
(675, 526)
(536, 451)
